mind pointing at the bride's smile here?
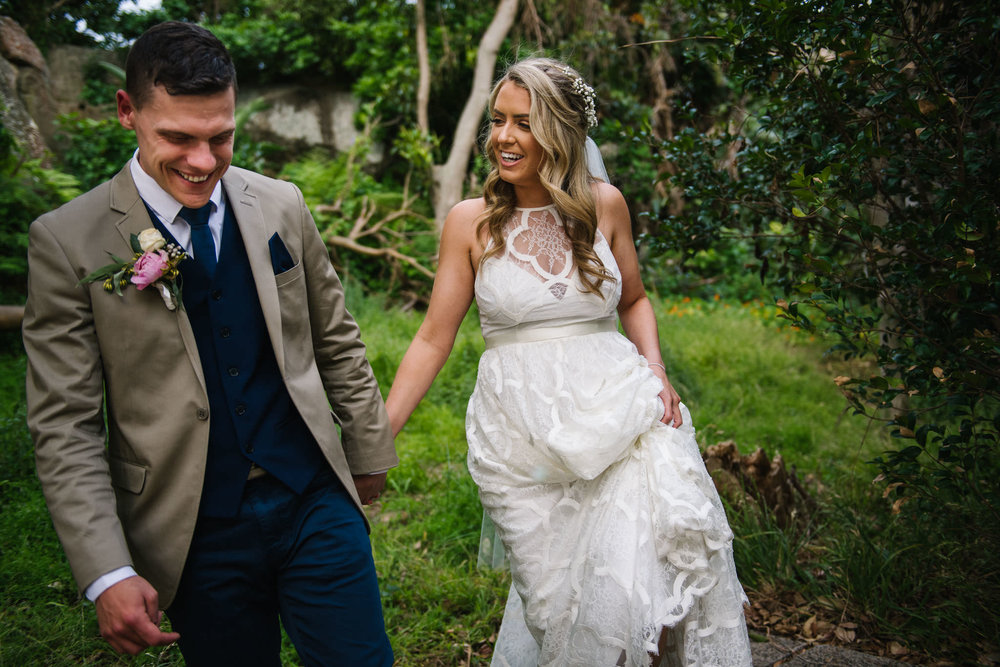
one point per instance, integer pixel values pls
(517, 151)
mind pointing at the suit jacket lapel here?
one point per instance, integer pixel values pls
(255, 232)
(125, 200)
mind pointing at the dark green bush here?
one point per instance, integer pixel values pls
(865, 175)
(27, 189)
(95, 150)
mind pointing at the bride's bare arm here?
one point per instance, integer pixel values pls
(634, 309)
(450, 300)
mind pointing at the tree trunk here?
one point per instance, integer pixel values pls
(450, 177)
(424, 68)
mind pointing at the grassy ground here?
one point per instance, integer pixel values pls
(744, 378)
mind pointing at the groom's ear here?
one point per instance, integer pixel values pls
(126, 110)
(281, 259)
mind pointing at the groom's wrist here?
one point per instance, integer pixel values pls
(107, 580)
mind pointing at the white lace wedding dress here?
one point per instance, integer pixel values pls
(611, 523)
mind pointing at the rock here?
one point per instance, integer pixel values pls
(15, 116)
(302, 117)
(17, 47)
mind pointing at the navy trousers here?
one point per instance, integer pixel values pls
(305, 558)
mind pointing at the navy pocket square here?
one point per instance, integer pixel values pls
(281, 259)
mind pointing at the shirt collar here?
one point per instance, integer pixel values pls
(158, 199)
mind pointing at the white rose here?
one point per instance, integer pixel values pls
(151, 240)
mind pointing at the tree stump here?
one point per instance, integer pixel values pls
(756, 478)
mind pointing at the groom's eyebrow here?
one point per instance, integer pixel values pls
(174, 135)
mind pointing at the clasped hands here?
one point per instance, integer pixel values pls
(369, 487)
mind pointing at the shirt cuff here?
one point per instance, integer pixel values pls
(106, 581)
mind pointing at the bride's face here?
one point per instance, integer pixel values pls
(517, 151)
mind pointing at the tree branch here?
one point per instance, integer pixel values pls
(450, 176)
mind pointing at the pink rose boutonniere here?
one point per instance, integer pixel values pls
(154, 264)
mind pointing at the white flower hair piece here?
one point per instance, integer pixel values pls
(586, 93)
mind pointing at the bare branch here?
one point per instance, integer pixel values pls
(668, 41)
(350, 244)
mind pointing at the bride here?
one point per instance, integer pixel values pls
(585, 459)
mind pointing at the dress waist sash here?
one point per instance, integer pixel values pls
(531, 332)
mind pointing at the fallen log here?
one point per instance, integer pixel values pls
(10, 317)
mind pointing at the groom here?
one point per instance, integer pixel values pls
(207, 455)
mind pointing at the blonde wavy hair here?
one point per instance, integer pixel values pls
(559, 122)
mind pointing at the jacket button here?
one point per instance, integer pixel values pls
(225, 332)
(241, 409)
(202, 414)
(233, 371)
(216, 294)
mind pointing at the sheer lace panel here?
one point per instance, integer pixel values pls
(537, 242)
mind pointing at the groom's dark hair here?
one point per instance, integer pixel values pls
(184, 58)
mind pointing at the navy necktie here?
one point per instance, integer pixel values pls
(201, 236)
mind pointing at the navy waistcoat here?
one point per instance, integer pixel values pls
(251, 416)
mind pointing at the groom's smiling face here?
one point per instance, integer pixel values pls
(185, 141)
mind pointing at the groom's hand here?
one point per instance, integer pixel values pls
(129, 616)
(369, 487)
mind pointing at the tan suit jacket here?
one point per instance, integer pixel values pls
(117, 404)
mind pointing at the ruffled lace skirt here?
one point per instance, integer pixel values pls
(612, 525)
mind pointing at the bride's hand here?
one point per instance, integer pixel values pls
(671, 400)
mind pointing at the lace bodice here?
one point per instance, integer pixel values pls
(534, 281)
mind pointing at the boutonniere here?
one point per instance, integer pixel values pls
(154, 264)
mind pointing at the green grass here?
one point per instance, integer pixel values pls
(743, 376)
(748, 379)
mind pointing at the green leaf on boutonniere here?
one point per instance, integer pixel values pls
(133, 240)
(175, 288)
(117, 278)
(104, 272)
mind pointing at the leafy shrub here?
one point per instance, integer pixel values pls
(95, 149)
(27, 189)
(865, 177)
(378, 232)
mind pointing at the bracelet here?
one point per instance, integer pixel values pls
(653, 363)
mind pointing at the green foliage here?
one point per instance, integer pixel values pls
(101, 80)
(361, 217)
(864, 176)
(95, 150)
(368, 47)
(53, 23)
(27, 189)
